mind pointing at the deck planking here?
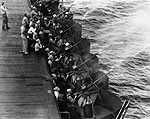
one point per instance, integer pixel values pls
(23, 88)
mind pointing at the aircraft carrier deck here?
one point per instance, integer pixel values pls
(23, 88)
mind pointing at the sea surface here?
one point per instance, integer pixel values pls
(120, 33)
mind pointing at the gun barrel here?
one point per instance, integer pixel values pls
(97, 81)
(123, 110)
(85, 61)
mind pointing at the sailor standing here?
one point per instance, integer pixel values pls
(25, 20)
(4, 17)
(24, 39)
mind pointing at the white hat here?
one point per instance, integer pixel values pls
(67, 44)
(67, 13)
(69, 90)
(51, 52)
(54, 15)
(57, 88)
(45, 18)
(54, 75)
(38, 22)
(50, 57)
(47, 49)
(61, 31)
(34, 7)
(37, 40)
(50, 34)
(50, 63)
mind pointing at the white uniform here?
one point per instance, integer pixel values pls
(38, 46)
(4, 17)
(24, 40)
(3, 9)
(25, 21)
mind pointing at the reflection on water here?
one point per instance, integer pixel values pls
(120, 30)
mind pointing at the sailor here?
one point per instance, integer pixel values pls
(25, 20)
(46, 23)
(47, 50)
(51, 41)
(51, 53)
(63, 48)
(54, 19)
(38, 23)
(57, 26)
(50, 64)
(61, 83)
(61, 8)
(46, 30)
(41, 7)
(41, 36)
(24, 39)
(38, 46)
(58, 58)
(66, 15)
(50, 57)
(32, 31)
(40, 14)
(56, 92)
(88, 109)
(60, 32)
(70, 63)
(53, 25)
(60, 43)
(54, 6)
(31, 22)
(58, 29)
(67, 46)
(4, 17)
(33, 12)
(69, 14)
(50, 35)
(70, 96)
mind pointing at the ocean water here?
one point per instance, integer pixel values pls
(120, 33)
